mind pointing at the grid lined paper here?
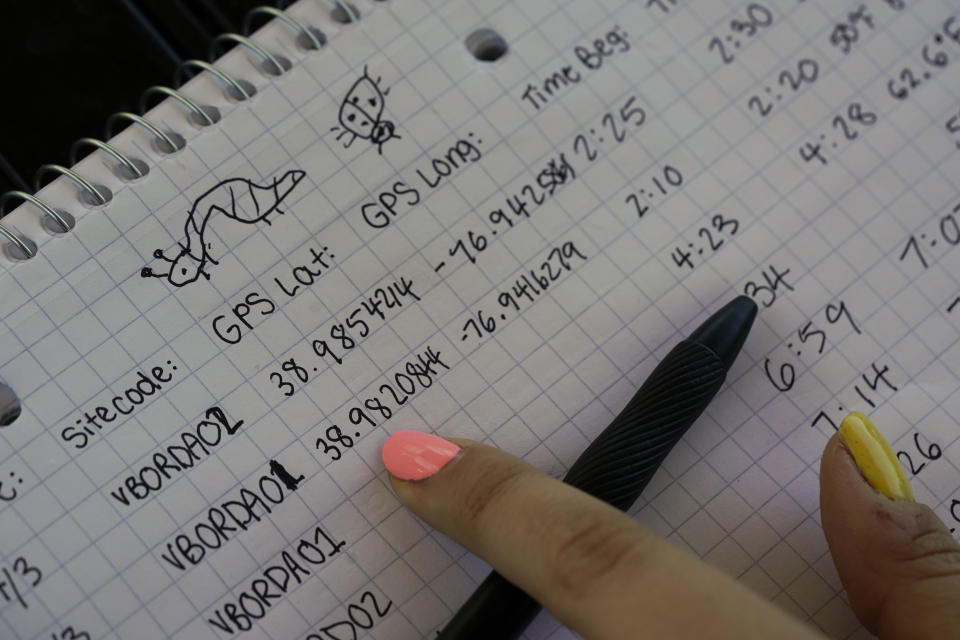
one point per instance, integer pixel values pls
(741, 489)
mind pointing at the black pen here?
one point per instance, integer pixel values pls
(620, 462)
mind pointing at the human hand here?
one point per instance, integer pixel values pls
(607, 576)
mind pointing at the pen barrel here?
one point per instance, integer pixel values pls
(619, 463)
(614, 468)
(497, 609)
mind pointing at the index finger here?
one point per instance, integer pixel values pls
(597, 570)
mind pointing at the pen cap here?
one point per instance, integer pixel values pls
(726, 330)
(9, 405)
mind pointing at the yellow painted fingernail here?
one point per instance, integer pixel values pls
(874, 457)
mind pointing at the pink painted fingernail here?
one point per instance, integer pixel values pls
(414, 455)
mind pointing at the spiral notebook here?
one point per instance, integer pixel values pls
(490, 220)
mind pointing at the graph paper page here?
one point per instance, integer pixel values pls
(393, 234)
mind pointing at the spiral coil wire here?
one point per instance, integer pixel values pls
(202, 116)
(274, 65)
(19, 247)
(239, 89)
(94, 191)
(135, 169)
(312, 38)
(169, 143)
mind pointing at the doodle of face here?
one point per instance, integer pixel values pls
(383, 131)
(184, 270)
(362, 108)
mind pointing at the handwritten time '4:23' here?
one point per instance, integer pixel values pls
(719, 225)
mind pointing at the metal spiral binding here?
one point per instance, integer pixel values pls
(25, 246)
(133, 167)
(92, 189)
(312, 37)
(159, 135)
(62, 222)
(240, 92)
(196, 110)
(351, 14)
(278, 68)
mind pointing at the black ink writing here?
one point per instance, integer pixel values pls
(221, 522)
(809, 341)
(16, 578)
(591, 57)
(119, 406)
(294, 565)
(9, 493)
(526, 289)
(402, 195)
(285, 477)
(708, 241)
(189, 448)
(359, 618)
(394, 392)
(845, 127)
(928, 453)
(765, 291)
(664, 182)
(361, 114)
(756, 17)
(237, 199)
(339, 338)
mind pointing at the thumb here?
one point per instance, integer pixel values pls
(897, 560)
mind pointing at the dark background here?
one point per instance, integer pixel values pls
(69, 64)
